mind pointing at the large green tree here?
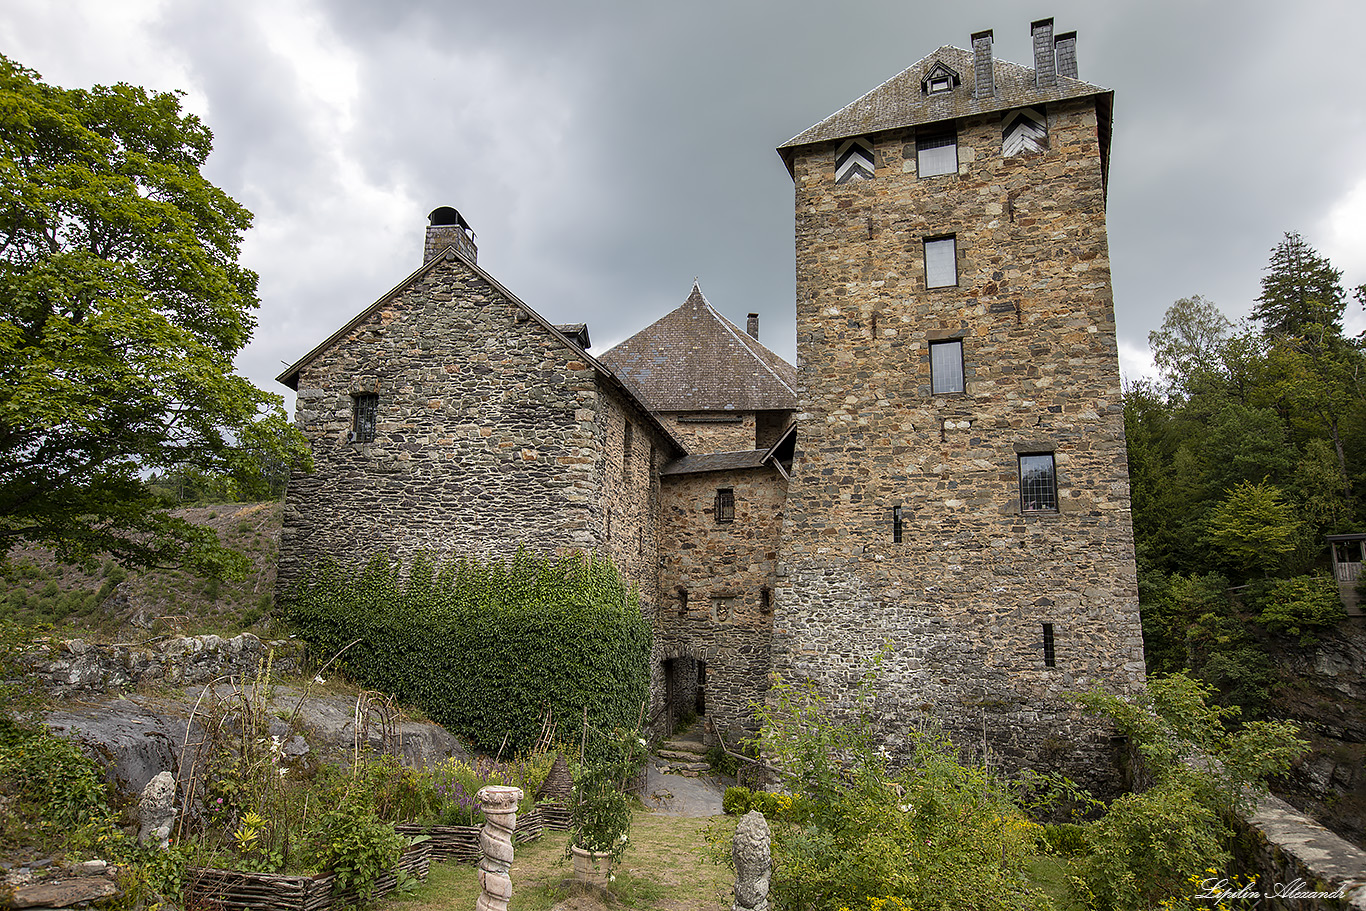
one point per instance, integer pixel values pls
(123, 306)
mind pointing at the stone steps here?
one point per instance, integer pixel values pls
(684, 754)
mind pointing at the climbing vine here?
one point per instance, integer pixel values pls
(486, 647)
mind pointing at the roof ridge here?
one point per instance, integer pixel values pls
(736, 331)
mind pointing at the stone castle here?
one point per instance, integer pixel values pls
(941, 480)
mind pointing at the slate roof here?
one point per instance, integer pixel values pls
(290, 376)
(716, 461)
(694, 359)
(899, 102)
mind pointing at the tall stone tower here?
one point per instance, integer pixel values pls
(960, 490)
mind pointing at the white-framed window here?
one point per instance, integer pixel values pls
(1038, 483)
(936, 153)
(946, 367)
(941, 262)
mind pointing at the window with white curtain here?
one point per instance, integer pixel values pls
(946, 367)
(936, 154)
(941, 262)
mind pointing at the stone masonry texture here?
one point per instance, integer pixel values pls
(959, 605)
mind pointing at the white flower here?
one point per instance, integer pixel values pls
(319, 679)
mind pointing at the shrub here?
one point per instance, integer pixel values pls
(351, 841)
(1301, 606)
(936, 834)
(486, 648)
(1152, 845)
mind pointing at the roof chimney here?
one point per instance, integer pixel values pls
(752, 326)
(1066, 45)
(983, 80)
(446, 227)
(1045, 66)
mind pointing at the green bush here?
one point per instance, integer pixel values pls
(936, 834)
(486, 648)
(736, 801)
(351, 841)
(1301, 606)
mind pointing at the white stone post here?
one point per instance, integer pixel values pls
(499, 804)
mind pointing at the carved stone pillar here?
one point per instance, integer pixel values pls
(499, 804)
(753, 863)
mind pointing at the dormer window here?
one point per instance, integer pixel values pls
(940, 80)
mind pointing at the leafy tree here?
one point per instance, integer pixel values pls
(1190, 343)
(123, 307)
(1253, 527)
(1302, 606)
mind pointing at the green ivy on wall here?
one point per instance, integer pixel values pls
(484, 648)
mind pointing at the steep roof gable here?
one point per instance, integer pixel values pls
(902, 102)
(452, 254)
(694, 359)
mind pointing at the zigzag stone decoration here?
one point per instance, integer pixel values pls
(1023, 131)
(854, 161)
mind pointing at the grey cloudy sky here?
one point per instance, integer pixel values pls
(608, 152)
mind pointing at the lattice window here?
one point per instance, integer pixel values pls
(935, 154)
(1049, 659)
(1038, 483)
(896, 524)
(364, 416)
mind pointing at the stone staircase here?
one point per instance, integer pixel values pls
(684, 754)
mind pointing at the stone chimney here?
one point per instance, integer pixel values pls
(983, 80)
(446, 227)
(1045, 66)
(752, 326)
(1066, 45)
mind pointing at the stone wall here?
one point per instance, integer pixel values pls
(75, 667)
(487, 438)
(712, 431)
(728, 571)
(961, 602)
(627, 507)
(1290, 855)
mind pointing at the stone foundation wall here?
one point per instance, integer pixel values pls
(961, 601)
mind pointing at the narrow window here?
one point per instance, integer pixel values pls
(627, 444)
(364, 414)
(1048, 659)
(946, 367)
(725, 504)
(941, 262)
(766, 599)
(1038, 483)
(896, 524)
(609, 523)
(935, 154)
(682, 601)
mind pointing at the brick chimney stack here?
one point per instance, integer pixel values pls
(983, 79)
(1045, 65)
(1066, 45)
(752, 326)
(446, 227)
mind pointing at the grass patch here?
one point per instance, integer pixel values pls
(664, 869)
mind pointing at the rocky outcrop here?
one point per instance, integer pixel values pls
(136, 737)
(1323, 689)
(84, 885)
